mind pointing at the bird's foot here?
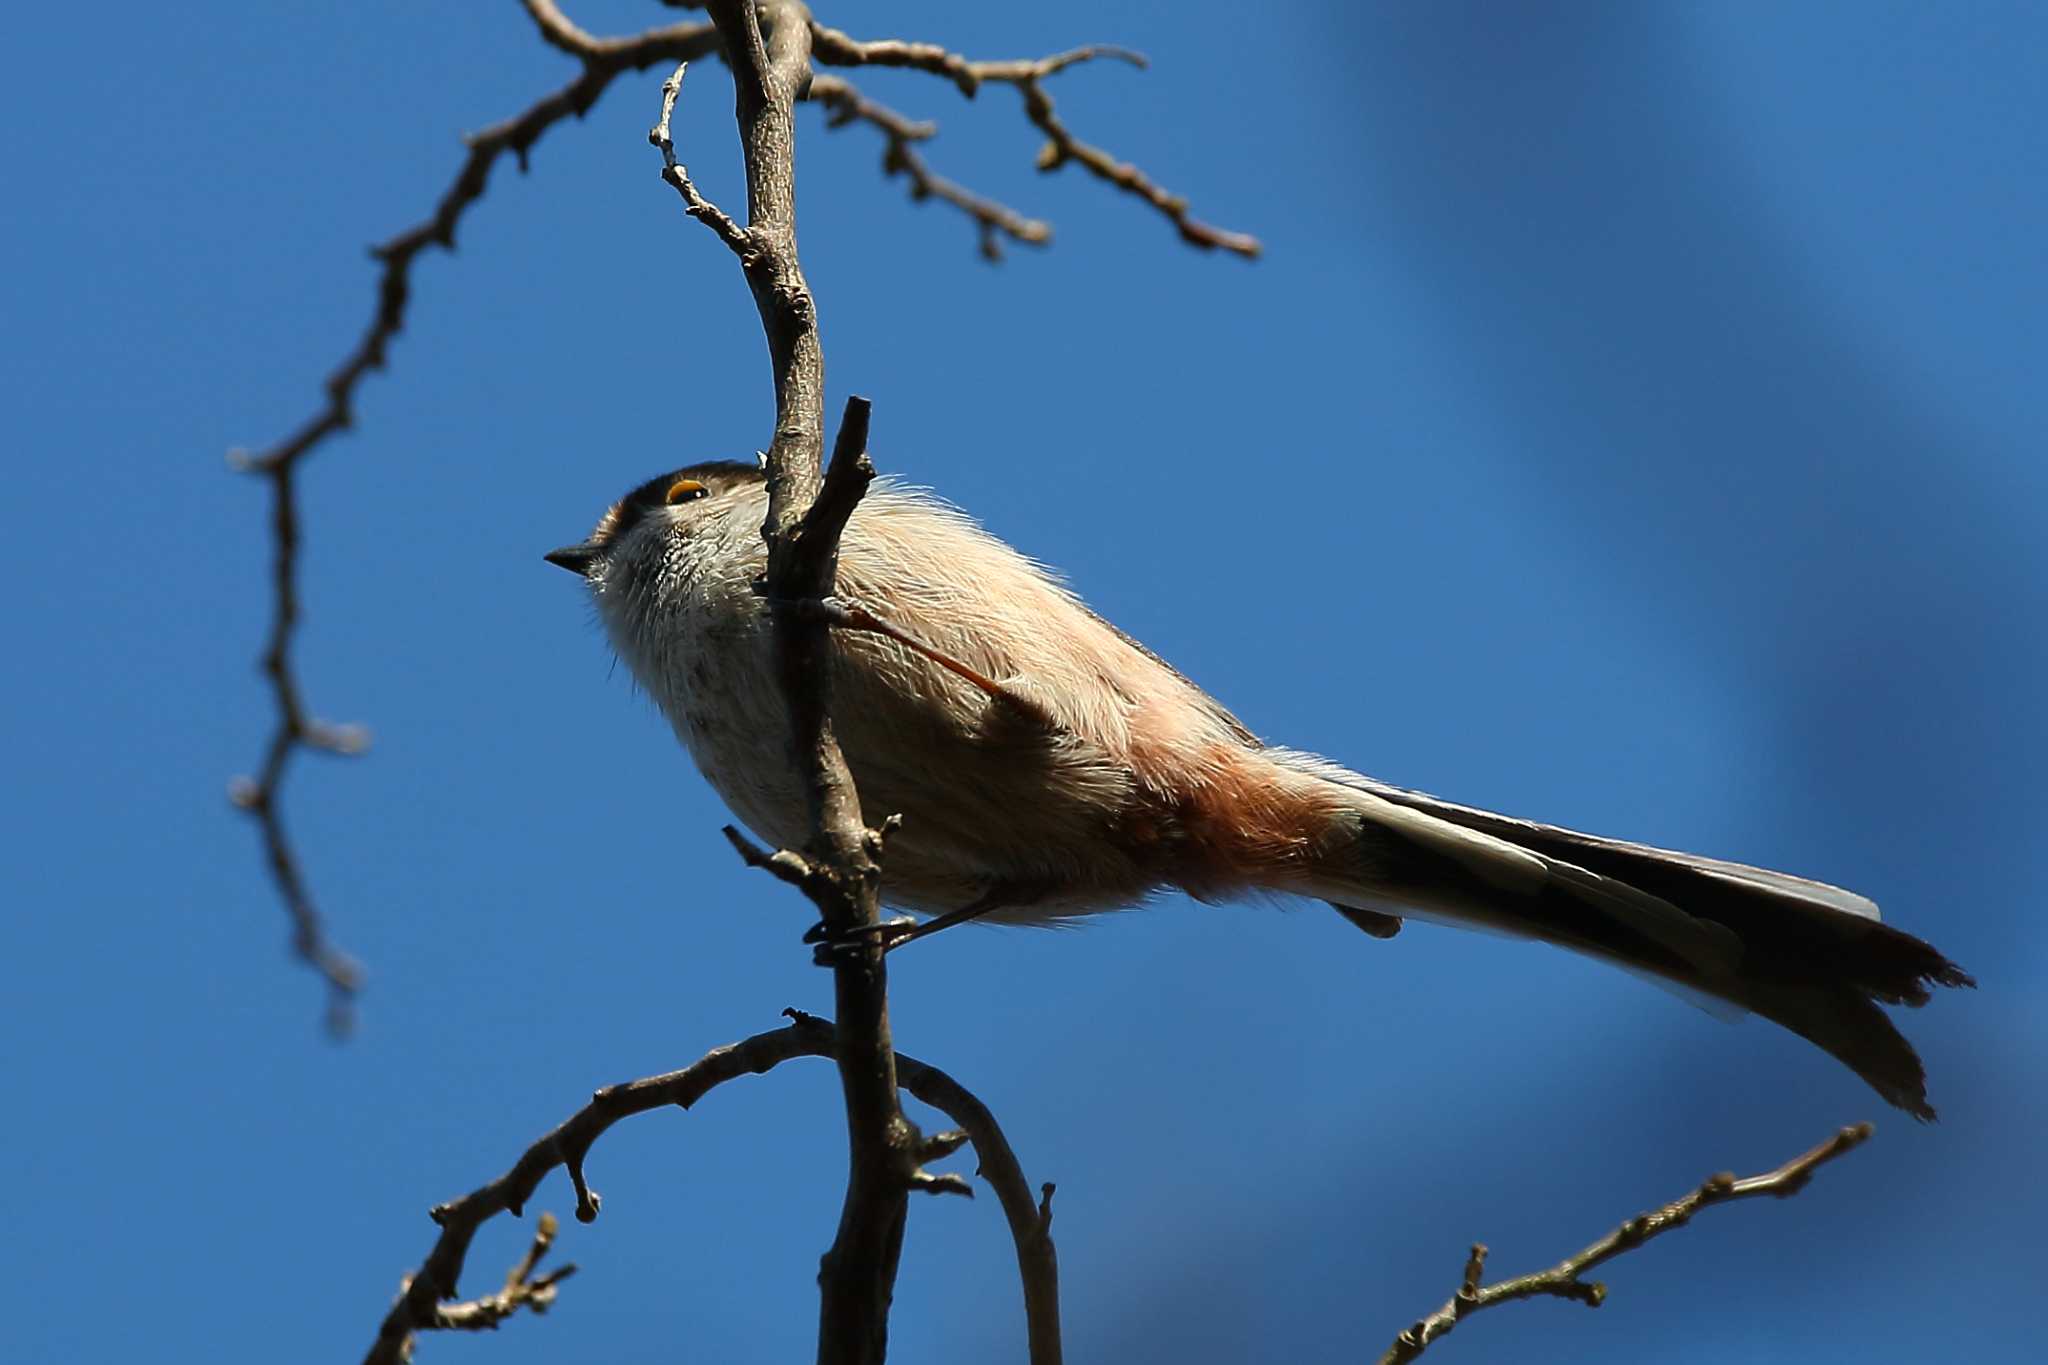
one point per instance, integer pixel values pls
(834, 946)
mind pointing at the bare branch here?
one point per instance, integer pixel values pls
(1564, 1281)
(785, 866)
(857, 1275)
(1030, 1225)
(993, 220)
(676, 174)
(835, 48)
(419, 1301)
(295, 728)
(419, 1305)
(603, 59)
(814, 547)
(521, 1289)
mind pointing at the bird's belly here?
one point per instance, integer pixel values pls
(989, 800)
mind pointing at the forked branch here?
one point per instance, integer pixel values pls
(835, 48)
(522, 1289)
(993, 220)
(420, 1305)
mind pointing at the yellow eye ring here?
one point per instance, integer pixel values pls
(684, 490)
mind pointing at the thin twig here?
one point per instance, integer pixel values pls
(295, 728)
(522, 1289)
(419, 1305)
(1564, 1280)
(993, 220)
(678, 175)
(835, 48)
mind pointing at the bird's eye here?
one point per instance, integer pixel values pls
(685, 490)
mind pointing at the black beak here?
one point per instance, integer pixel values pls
(577, 559)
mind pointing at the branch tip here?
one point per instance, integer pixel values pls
(1028, 77)
(1566, 1279)
(602, 61)
(844, 104)
(677, 175)
(945, 1182)
(938, 1146)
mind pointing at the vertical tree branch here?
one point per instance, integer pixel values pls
(805, 515)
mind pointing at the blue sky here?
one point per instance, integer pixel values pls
(1635, 424)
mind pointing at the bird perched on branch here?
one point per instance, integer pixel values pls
(1047, 765)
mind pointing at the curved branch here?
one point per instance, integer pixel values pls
(678, 175)
(295, 728)
(1030, 1224)
(844, 104)
(835, 48)
(1564, 1281)
(419, 1306)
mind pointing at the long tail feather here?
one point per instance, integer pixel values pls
(1811, 957)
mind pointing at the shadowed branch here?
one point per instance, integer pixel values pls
(420, 1305)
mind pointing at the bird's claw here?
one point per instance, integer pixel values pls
(834, 945)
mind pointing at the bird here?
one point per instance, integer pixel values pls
(1047, 765)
